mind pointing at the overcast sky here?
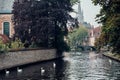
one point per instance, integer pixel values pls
(89, 11)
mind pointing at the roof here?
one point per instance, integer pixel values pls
(6, 6)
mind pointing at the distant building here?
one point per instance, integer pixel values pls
(87, 25)
(94, 33)
(6, 24)
(80, 17)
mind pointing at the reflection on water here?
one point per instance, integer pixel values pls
(75, 66)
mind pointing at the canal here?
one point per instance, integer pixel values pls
(74, 66)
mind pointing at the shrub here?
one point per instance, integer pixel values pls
(3, 47)
(17, 44)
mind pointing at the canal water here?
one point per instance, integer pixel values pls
(74, 66)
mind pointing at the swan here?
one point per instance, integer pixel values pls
(19, 70)
(7, 72)
(42, 70)
(54, 65)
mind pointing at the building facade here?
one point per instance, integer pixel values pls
(6, 24)
(94, 33)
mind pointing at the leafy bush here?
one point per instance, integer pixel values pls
(3, 47)
(78, 36)
(17, 44)
(33, 45)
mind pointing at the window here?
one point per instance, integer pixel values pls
(6, 28)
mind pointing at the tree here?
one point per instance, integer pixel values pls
(74, 1)
(109, 17)
(77, 37)
(42, 22)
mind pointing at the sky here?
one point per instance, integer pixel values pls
(6, 6)
(89, 11)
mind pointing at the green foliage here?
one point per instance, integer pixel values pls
(73, 1)
(110, 18)
(78, 36)
(101, 41)
(41, 23)
(3, 47)
(33, 45)
(17, 44)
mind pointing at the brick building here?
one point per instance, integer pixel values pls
(94, 33)
(6, 24)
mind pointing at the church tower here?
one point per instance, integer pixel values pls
(80, 13)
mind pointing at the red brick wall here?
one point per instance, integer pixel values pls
(6, 18)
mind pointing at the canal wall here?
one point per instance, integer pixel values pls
(22, 57)
(112, 56)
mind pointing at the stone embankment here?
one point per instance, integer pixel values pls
(22, 57)
(112, 55)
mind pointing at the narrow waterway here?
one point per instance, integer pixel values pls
(74, 66)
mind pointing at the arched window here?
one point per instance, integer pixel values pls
(6, 28)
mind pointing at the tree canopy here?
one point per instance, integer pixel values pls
(109, 16)
(78, 36)
(73, 1)
(42, 22)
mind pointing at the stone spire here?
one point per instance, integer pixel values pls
(6, 6)
(80, 13)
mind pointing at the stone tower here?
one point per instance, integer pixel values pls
(80, 14)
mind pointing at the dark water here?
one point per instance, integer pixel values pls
(75, 66)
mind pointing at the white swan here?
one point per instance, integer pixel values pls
(19, 70)
(42, 70)
(7, 72)
(54, 65)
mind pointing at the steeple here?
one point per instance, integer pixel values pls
(80, 13)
